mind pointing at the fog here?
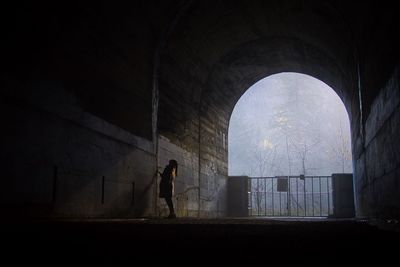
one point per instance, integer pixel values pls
(289, 124)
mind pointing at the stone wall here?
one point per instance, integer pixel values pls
(60, 161)
(377, 167)
(187, 182)
(95, 98)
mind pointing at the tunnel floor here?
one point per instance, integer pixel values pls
(188, 241)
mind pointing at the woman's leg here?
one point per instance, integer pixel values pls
(170, 206)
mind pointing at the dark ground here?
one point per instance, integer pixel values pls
(185, 241)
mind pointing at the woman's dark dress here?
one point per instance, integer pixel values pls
(166, 183)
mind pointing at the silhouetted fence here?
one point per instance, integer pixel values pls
(291, 196)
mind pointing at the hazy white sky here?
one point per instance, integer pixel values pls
(289, 123)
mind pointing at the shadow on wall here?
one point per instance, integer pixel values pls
(63, 162)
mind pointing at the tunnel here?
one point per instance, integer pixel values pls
(247, 46)
(96, 98)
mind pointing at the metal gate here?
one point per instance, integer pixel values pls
(290, 196)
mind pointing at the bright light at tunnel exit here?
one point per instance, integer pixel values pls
(289, 124)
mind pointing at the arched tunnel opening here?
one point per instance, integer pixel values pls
(96, 99)
(289, 135)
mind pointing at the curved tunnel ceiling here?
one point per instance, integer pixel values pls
(218, 50)
(240, 69)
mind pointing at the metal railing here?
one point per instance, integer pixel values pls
(290, 196)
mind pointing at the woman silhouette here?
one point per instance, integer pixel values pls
(167, 185)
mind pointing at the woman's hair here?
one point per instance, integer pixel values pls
(174, 164)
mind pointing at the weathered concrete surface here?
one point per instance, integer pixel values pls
(187, 182)
(343, 195)
(62, 161)
(78, 108)
(218, 50)
(89, 90)
(378, 184)
(238, 196)
(198, 241)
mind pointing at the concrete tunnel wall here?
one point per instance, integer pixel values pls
(77, 105)
(219, 50)
(115, 91)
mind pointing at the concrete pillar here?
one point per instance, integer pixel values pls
(343, 196)
(238, 200)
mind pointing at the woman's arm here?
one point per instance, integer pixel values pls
(173, 174)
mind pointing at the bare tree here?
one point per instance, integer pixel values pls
(263, 164)
(339, 149)
(298, 122)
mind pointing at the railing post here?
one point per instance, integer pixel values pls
(133, 193)
(327, 191)
(55, 178)
(288, 198)
(312, 194)
(297, 196)
(320, 197)
(102, 189)
(265, 197)
(305, 198)
(273, 198)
